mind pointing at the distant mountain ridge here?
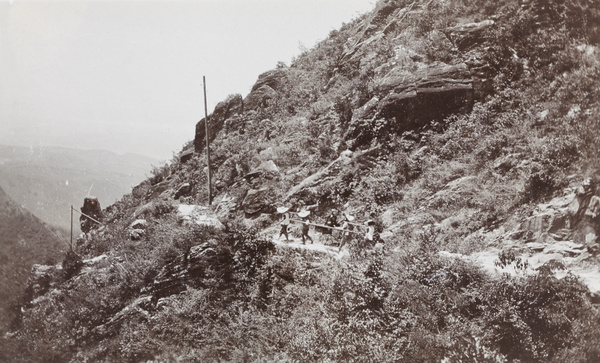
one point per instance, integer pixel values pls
(47, 180)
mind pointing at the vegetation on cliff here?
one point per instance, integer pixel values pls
(446, 122)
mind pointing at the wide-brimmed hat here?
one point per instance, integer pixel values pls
(349, 217)
(282, 209)
(303, 214)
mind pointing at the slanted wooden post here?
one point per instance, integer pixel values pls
(207, 144)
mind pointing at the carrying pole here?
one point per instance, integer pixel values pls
(207, 143)
(328, 227)
(89, 217)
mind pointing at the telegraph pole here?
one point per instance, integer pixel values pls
(207, 143)
(71, 245)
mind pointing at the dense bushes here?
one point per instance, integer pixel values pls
(532, 319)
(253, 302)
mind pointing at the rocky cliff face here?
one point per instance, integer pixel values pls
(406, 96)
(409, 100)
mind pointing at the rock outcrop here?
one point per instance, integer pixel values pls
(407, 101)
(157, 189)
(137, 229)
(183, 190)
(409, 92)
(548, 219)
(430, 93)
(384, 17)
(465, 36)
(224, 110)
(265, 88)
(562, 232)
(183, 271)
(91, 214)
(140, 190)
(228, 114)
(45, 278)
(186, 156)
(328, 174)
(572, 219)
(256, 201)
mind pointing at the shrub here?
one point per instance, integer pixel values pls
(531, 318)
(541, 184)
(71, 264)
(162, 207)
(159, 173)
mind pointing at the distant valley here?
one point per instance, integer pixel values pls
(47, 180)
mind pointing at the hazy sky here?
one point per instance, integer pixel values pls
(126, 76)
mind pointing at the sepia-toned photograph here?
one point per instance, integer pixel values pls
(300, 181)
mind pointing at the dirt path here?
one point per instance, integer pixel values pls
(296, 243)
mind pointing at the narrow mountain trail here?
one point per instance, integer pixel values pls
(272, 234)
(296, 243)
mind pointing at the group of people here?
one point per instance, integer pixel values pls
(346, 226)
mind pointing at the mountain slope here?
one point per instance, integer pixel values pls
(47, 180)
(25, 240)
(462, 130)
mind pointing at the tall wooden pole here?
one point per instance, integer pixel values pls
(71, 228)
(207, 144)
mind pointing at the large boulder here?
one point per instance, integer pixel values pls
(256, 201)
(183, 190)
